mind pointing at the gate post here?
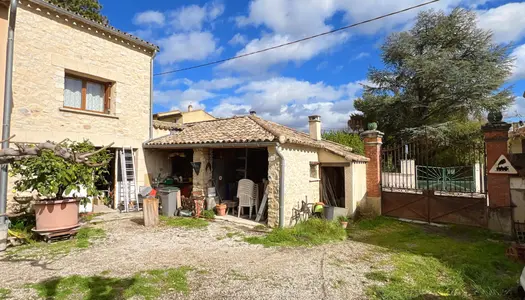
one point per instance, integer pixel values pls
(496, 135)
(373, 139)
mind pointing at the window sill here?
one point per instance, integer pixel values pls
(315, 179)
(84, 112)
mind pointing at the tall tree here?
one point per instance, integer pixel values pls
(444, 69)
(90, 9)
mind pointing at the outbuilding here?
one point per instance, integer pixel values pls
(292, 167)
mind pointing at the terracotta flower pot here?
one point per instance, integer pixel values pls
(344, 224)
(221, 209)
(56, 215)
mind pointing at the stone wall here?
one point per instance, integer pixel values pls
(46, 47)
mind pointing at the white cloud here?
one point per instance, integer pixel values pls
(186, 46)
(361, 56)
(507, 22)
(288, 20)
(149, 17)
(322, 65)
(215, 9)
(284, 100)
(238, 39)
(517, 109)
(192, 17)
(519, 65)
(218, 84)
(297, 53)
(178, 99)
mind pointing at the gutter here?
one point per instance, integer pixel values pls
(151, 95)
(8, 105)
(211, 145)
(281, 186)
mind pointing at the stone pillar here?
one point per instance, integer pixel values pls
(373, 140)
(201, 181)
(498, 185)
(274, 171)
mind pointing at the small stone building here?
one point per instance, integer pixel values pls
(251, 147)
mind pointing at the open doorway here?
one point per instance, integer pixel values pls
(234, 164)
(333, 186)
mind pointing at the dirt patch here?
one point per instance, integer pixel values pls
(224, 268)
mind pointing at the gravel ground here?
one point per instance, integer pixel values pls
(224, 268)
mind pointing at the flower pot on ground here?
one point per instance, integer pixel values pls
(221, 209)
(53, 177)
(343, 221)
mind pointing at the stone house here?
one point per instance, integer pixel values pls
(163, 122)
(250, 147)
(77, 79)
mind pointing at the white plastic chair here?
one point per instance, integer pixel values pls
(246, 195)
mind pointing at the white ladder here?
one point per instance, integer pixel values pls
(128, 185)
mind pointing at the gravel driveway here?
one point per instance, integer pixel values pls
(225, 267)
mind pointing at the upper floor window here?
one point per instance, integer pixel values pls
(86, 94)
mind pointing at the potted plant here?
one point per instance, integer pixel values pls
(343, 220)
(221, 209)
(57, 172)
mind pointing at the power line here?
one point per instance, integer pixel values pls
(296, 41)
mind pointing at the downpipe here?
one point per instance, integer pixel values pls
(8, 105)
(151, 95)
(281, 186)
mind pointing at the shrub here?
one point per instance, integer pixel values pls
(351, 140)
(53, 177)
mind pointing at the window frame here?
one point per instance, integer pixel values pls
(83, 95)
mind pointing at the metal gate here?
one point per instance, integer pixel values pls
(434, 181)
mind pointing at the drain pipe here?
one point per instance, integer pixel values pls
(8, 105)
(151, 95)
(281, 186)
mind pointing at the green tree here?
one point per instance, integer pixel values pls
(90, 9)
(347, 139)
(444, 69)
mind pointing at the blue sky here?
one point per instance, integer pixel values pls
(321, 76)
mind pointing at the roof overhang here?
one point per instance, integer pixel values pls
(210, 145)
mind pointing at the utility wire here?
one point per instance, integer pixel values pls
(297, 41)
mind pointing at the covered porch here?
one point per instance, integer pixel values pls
(211, 172)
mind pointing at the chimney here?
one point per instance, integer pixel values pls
(314, 124)
(190, 107)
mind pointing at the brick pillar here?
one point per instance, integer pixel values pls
(373, 140)
(498, 185)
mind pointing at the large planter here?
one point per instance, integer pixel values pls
(56, 215)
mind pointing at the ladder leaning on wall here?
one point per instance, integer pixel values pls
(128, 196)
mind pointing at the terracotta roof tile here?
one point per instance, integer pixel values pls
(247, 129)
(230, 130)
(167, 125)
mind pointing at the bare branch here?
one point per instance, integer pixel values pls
(10, 155)
(10, 138)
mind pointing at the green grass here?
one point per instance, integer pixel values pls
(4, 293)
(144, 285)
(90, 217)
(208, 214)
(457, 262)
(309, 233)
(184, 222)
(85, 236)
